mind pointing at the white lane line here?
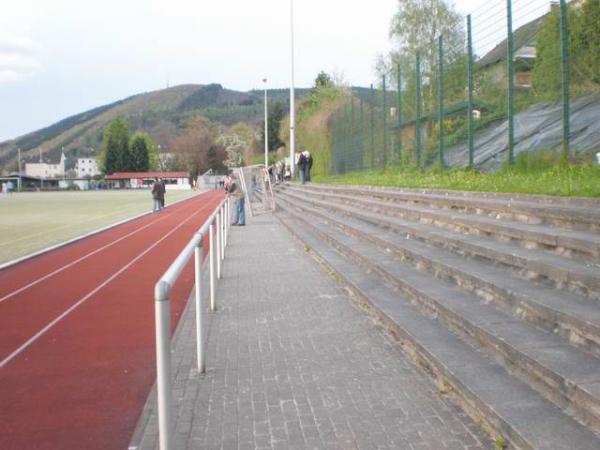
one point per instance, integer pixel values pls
(90, 294)
(72, 263)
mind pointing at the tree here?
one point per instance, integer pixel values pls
(190, 148)
(546, 75)
(140, 152)
(215, 157)
(239, 142)
(586, 40)
(416, 26)
(115, 155)
(275, 115)
(323, 80)
(584, 50)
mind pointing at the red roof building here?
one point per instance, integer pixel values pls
(140, 180)
(146, 175)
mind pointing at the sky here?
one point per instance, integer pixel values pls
(62, 57)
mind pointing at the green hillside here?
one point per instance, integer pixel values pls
(161, 114)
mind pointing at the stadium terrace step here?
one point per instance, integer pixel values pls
(486, 390)
(580, 275)
(567, 376)
(574, 213)
(495, 223)
(567, 314)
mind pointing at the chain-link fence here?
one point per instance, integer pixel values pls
(503, 85)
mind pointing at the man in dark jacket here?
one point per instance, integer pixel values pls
(158, 194)
(309, 163)
(302, 162)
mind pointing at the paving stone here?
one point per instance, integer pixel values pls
(292, 363)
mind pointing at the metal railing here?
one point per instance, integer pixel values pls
(217, 226)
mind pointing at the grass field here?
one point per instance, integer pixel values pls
(30, 222)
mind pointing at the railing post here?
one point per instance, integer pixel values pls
(162, 308)
(226, 222)
(223, 228)
(218, 244)
(198, 254)
(211, 264)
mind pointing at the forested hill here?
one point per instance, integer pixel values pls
(160, 113)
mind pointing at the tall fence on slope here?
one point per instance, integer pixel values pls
(473, 98)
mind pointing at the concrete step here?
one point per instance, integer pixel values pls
(517, 413)
(560, 272)
(563, 241)
(574, 213)
(570, 315)
(567, 376)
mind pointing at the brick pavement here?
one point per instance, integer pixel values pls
(293, 363)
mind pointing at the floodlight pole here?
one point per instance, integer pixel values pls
(41, 176)
(266, 128)
(20, 173)
(292, 100)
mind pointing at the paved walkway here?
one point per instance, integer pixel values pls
(292, 363)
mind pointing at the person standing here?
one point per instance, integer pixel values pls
(309, 163)
(302, 167)
(163, 189)
(157, 193)
(236, 191)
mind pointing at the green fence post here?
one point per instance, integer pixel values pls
(470, 93)
(384, 123)
(418, 110)
(399, 114)
(564, 50)
(344, 149)
(372, 128)
(362, 135)
(441, 97)
(333, 142)
(511, 81)
(352, 162)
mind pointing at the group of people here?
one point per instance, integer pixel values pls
(281, 172)
(158, 194)
(7, 187)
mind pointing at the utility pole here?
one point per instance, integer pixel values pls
(41, 173)
(20, 173)
(266, 127)
(292, 100)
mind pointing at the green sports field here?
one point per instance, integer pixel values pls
(30, 222)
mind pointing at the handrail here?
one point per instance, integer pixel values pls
(219, 220)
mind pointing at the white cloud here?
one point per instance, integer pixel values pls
(19, 57)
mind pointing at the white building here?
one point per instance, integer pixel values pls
(44, 170)
(86, 167)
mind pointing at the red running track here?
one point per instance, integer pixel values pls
(77, 355)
